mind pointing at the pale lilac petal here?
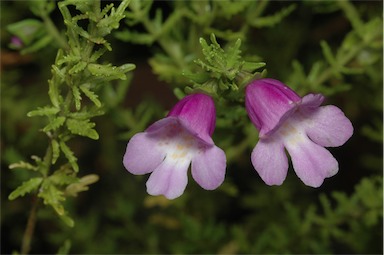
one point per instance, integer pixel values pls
(162, 125)
(169, 179)
(328, 126)
(270, 161)
(311, 162)
(309, 103)
(142, 154)
(312, 101)
(208, 167)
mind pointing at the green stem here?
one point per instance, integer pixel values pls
(52, 30)
(30, 228)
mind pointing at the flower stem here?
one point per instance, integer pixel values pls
(29, 230)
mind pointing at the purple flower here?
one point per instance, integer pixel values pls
(170, 145)
(301, 126)
(16, 43)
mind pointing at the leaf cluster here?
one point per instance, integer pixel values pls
(175, 32)
(358, 54)
(77, 74)
(224, 71)
(337, 220)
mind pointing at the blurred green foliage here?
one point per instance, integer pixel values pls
(81, 47)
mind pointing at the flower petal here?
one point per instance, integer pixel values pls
(311, 162)
(162, 126)
(142, 154)
(266, 101)
(208, 167)
(328, 126)
(270, 161)
(197, 114)
(169, 178)
(312, 101)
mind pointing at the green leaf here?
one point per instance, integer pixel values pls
(37, 159)
(252, 66)
(374, 131)
(83, 128)
(165, 69)
(109, 70)
(82, 185)
(55, 151)
(106, 9)
(80, 66)
(44, 111)
(26, 30)
(54, 94)
(59, 73)
(328, 53)
(91, 95)
(228, 8)
(315, 71)
(67, 220)
(54, 124)
(135, 37)
(326, 205)
(86, 114)
(233, 54)
(178, 93)
(77, 97)
(69, 155)
(97, 54)
(23, 165)
(353, 16)
(127, 68)
(64, 249)
(26, 187)
(272, 20)
(63, 176)
(71, 58)
(113, 20)
(52, 196)
(197, 77)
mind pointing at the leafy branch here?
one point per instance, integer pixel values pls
(360, 49)
(76, 74)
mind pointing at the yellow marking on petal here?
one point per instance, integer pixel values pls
(178, 155)
(295, 139)
(291, 134)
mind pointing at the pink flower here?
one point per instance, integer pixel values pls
(301, 126)
(170, 145)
